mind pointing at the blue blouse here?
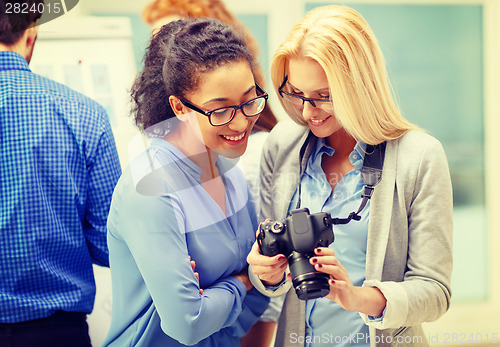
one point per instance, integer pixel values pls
(160, 214)
(326, 322)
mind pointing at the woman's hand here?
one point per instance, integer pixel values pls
(366, 300)
(243, 277)
(197, 275)
(269, 269)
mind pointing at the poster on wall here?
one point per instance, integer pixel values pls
(94, 56)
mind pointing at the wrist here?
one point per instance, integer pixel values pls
(369, 301)
(275, 284)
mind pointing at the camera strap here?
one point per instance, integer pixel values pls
(371, 174)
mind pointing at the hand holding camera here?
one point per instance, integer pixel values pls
(296, 237)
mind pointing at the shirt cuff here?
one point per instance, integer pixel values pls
(379, 318)
(270, 291)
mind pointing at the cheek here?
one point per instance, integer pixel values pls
(211, 137)
(254, 120)
(208, 132)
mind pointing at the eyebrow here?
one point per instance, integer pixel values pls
(225, 99)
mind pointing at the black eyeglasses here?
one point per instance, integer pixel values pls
(223, 115)
(299, 101)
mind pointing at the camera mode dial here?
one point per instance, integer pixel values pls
(277, 227)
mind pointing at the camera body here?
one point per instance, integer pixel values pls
(296, 237)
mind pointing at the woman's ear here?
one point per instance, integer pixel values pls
(177, 106)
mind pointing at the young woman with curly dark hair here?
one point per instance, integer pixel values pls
(183, 203)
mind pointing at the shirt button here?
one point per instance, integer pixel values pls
(357, 171)
(335, 196)
(355, 156)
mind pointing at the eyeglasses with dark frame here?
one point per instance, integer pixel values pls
(298, 100)
(223, 115)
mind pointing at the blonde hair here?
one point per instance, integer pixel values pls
(342, 43)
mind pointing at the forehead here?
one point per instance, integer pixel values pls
(306, 74)
(229, 81)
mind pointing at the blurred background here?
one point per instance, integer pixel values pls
(443, 58)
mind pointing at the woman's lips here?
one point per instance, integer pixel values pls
(234, 139)
(318, 122)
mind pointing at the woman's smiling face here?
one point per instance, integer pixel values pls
(228, 85)
(308, 79)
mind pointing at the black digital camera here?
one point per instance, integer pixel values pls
(296, 237)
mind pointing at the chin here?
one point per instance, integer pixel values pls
(230, 153)
(324, 131)
(320, 132)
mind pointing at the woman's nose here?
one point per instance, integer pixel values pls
(239, 122)
(308, 110)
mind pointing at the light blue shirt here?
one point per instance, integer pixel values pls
(160, 214)
(327, 324)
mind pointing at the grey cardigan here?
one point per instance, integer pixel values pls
(409, 250)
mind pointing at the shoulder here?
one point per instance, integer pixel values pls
(286, 136)
(65, 95)
(415, 145)
(417, 152)
(36, 92)
(287, 132)
(417, 140)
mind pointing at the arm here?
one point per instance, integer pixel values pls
(366, 300)
(269, 270)
(422, 210)
(103, 173)
(158, 244)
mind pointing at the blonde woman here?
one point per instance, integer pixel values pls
(390, 271)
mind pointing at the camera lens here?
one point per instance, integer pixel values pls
(308, 283)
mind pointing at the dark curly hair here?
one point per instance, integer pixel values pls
(13, 22)
(174, 63)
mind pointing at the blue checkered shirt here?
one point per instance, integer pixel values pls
(58, 169)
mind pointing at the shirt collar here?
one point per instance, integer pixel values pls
(13, 61)
(356, 157)
(321, 147)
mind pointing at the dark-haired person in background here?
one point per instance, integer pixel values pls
(184, 198)
(58, 169)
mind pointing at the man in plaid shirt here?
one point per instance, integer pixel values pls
(58, 169)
